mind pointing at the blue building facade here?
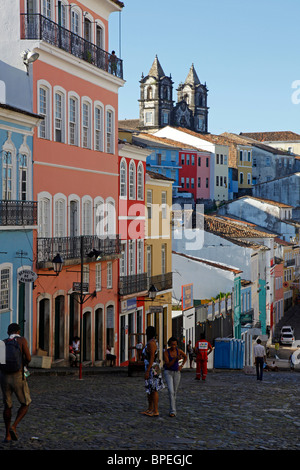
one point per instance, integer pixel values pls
(18, 218)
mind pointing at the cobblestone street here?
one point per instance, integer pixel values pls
(231, 411)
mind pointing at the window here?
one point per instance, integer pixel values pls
(217, 181)
(267, 161)
(218, 158)
(73, 121)
(187, 159)
(192, 183)
(140, 182)
(249, 156)
(140, 256)
(165, 118)
(249, 178)
(164, 204)
(98, 276)
(44, 218)
(148, 118)
(86, 125)
(123, 179)
(75, 22)
(182, 159)
(59, 218)
(44, 111)
(99, 37)
(111, 218)
(58, 121)
(87, 218)
(5, 282)
(132, 180)
(241, 155)
(131, 257)
(47, 8)
(207, 162)
(187, 183)
(149, 203)
(163, 258)
(225, 181)
(199, 182)
(123, 260)
(182, 182)
(241, 178)
(207, 183)
(149, 261)
(199, 161)
(86, 274)
(193, 159)
(23, 177)
(109, 132)
(98, 129)
(221, 159)
(7, 170)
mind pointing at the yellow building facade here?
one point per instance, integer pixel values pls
(158, 254)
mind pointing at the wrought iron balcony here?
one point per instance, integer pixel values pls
(133, 284)
(161, 282)
(18, 213)
(36, 26)
(69, 248)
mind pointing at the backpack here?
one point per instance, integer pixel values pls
(13, 355)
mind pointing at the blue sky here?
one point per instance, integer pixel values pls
(247, 52)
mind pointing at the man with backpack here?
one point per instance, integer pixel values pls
(13, 380)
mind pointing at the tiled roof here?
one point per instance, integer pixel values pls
(209, 263)
(158, 176)
(222, 227)
(166, 141)
(277, 136)
(131, 124)
(257, 143)
(268, 201)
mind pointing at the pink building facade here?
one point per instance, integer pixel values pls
(75, 84)
(133, 278)
(194, 173)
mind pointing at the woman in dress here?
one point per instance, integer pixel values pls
(153, 376)
(172, 370)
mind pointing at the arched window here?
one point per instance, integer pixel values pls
(44, 218)
(8, 170)
(140, 182)
(86, 125)
(59, 217)
(98, 124)
(73, 121)
(123, 179)
(59, 116)
(87, 217)
(110, 131)
(131, 180)
(44, 109)
(110, 218)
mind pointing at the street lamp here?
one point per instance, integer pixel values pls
(152, 292)
(57, 266)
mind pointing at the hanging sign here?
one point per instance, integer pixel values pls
(26, 275)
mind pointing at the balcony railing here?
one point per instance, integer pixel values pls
(69, 248)
(18, 213)
(161, 282)
(135, 283)
(36, 26)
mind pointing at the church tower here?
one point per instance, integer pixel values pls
(156, 104)
(191, 110)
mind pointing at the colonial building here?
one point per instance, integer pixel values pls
(74, 86)
(156, 104)
(18, 218)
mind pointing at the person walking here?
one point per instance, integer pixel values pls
(190, 352)
(202, 349)
(260, 358)
(13, 380)
(172, 369)
(153, 376)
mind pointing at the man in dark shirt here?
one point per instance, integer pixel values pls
(15, 382)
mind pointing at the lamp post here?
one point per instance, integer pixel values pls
(57, 266)
(83, 297)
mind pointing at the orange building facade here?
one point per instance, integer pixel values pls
(75, 84)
